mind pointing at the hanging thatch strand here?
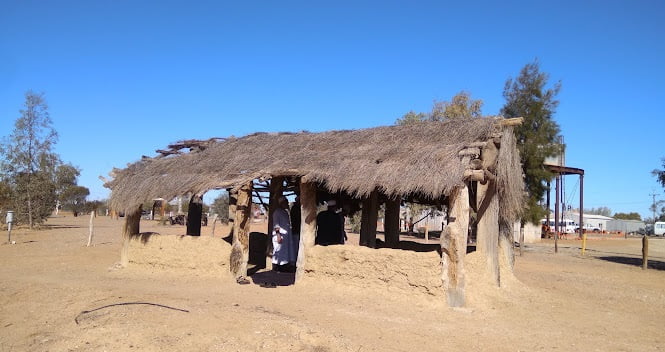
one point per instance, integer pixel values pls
(510, 181)
(422, 158)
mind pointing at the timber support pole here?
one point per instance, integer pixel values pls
(233, 202)
(453, 247)
(370, 213)
(488, 228)
(645, 252)
(276, 190)
(391, 227)
(488, 214)
(307, 225)
(240, 247)
(194, 215)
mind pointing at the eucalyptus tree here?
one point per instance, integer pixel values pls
(28, 162)
(660, 174)
(460, 106)
(528, 96)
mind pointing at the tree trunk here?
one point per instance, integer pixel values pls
(30, 220)
(453, 247)
(370, 214)
(129, 229)
(194, 215)
(307, 225)
(488, 227)
(240, 247)
(391, 227)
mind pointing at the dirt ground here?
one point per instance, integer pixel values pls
(56, 294)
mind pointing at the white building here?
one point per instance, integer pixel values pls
(592, 222)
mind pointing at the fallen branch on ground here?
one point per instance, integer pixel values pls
(127, 304)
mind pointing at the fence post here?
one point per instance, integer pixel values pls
(645, 252)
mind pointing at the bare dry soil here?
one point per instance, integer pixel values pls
(56, 294)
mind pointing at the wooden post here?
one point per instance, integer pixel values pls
(487, 236)
(453, 247)
(233, 201)
(307, 225)
(645, 252)
(391, 227)
(370, 214)
(240, 247)
(276, 190)
(91, 227)
(129, 229)
(194, 214)
(426, 231)
(522, 237)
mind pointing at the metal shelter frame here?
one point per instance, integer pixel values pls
(560, 171)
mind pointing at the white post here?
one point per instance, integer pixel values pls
(9, 220)
(92, 216)
(214, 220)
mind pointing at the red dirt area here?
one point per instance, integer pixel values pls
(176, 294)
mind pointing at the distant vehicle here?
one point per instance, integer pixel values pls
(177, 220)
(588, 228)
(566, 225)
(659, 228)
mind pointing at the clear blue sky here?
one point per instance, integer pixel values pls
(123, 78)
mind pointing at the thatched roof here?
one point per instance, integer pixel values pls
(419, 158)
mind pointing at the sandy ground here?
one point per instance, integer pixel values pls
(56, 294)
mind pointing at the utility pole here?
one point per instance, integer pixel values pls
(653, 207)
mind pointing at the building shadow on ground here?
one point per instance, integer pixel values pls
(652, 264)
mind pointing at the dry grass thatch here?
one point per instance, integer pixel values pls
(397, 160)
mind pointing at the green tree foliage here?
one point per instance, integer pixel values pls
(411, 117)
(628, 216)
(100, 206)
(5, 197)
(34, 197)
(69, 194)
(220, 206)
(660, 174)
(527, 96)
(658, 209)
(460, 106)
(28, 161)
(74, 198)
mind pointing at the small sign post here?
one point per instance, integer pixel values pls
(9, 220)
